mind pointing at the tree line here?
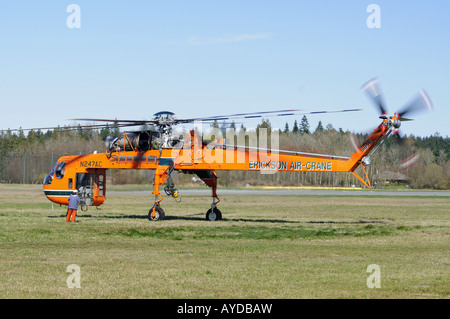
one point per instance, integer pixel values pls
(28, 157)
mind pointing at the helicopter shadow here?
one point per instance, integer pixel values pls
(83, 216)
(230, 219)
(195, 217)
(346, 222)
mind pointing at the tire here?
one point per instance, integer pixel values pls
(213, 215)
(159, 214)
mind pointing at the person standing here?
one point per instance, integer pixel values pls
(74, 201)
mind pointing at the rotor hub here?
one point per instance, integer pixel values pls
(396, 123)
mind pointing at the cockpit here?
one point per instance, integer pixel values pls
(58, 171)
(64, 178)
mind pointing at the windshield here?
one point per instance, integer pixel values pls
(49, 177)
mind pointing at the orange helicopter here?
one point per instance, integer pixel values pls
(162, 151)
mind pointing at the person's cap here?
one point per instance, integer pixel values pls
(75, 191)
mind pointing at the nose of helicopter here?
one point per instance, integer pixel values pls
(53, 185)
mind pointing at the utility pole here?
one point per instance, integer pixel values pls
(24, 167)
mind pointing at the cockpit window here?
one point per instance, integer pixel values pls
(60, 169)
(49, 177)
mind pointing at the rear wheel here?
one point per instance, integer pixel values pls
(213, 214)
(159, 213)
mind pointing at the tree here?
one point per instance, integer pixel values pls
(33, 137)
(286, 128)
(265, 125)
(233, 125)
(85, 133)
(116, 130)
(319, 128)
(223, 128)
(304, 125)
(330, 128)
(48, 135)
(295, 128)
(22, 139)
(105, 133)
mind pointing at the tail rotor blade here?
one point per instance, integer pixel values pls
(354, 142)
(410, 161)
(400, 140)
(421, 102)
(373, 90)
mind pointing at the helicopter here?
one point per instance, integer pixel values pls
(161, 150)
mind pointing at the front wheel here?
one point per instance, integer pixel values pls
(213, 214)
(159, 213)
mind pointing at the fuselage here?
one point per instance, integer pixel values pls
(87, 173)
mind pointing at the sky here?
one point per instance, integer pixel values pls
(131, 59)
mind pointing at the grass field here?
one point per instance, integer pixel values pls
(265, 247)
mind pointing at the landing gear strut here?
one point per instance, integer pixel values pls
(210, 179)
(214, 213)
(162, 173)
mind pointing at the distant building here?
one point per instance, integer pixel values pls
(389, 177)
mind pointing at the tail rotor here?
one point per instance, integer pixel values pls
(419, 103)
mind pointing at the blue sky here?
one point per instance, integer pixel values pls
(131, 59)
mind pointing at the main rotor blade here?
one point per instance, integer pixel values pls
(373, 90)
(113, 121)
(69, 127)
(421, 102)
(262, 115)
(239, 115)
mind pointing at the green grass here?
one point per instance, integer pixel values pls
(262, 232)
(265, 247)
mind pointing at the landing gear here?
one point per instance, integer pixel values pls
(210, 179)
(213, 214)
(157, 214)
(162, 175)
